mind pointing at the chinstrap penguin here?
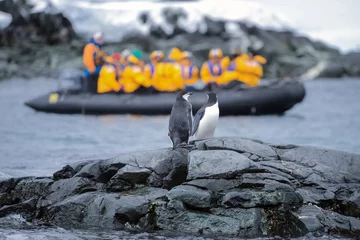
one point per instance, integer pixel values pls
(180, 122)
(206, 118)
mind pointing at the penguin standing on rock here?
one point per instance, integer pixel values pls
(206, 118)
(180, 122)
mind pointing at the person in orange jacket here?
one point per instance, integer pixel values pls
(189, 73)
(110, 75)
(93, 59)
(133, 78)
(212, 70)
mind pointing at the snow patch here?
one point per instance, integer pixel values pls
(118, 19)
(5, 19)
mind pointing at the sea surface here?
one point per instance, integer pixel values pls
(37, 144)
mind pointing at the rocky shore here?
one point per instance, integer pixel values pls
(45, 43)
(217, 187)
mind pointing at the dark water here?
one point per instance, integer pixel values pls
(35, 143)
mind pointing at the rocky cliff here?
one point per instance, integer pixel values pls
(222, 186)
(45, 43)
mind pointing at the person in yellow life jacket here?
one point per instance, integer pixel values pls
(133, 78)
(155, 58)
(260, 59)
(166, 74)
(189, 73)
(110, 75)
(212, 71)
(93, 59)
(234, 74)
(253, 70)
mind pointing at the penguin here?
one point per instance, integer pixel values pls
(180, 122)
(206, 118)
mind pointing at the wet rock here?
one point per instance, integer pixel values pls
(7, 185)
(109, 211)
(168, 167)
(239, 145)
(249, 198)
(32, 188)
(343, 66)
(218, 164)
(191, 196)
(333, 166)
(295, 192)
(65, 172)
(215, 185)
(26, 208)
(243, 222)
(118, 184)
(348, 200)
(313, 218)
(133, 174)
(64, 188)
(71, 212)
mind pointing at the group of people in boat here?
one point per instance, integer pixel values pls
(126, 72)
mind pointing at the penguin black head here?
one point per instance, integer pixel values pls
(212, 97)
(183, 95)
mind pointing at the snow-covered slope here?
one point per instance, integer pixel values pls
(5, 19)
(117, 19)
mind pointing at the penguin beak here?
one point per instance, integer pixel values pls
(190, 93)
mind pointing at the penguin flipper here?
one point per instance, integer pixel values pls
(199, 115)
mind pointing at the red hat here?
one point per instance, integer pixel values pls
(116, 56)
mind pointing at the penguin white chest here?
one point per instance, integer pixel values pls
(207, 124)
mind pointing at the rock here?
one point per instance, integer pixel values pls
(133, 174)
(214, 189)
(241, 222)
(99, 171)
(32, 188)
(64, 188)
(332, 166)
(109, 211)
(191, 196)
(239, 145)
(348, 200)
(249, 198)
(7, 185)
(215, 185)
(118, 184)
(168, 167)
(218, 164)
(65, 172)
(26, 208)
(314, 218)
(343, 66)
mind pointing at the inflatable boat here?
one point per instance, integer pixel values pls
(274, 98)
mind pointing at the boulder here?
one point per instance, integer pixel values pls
(240, 145)
(191, 196)
(64, 188)
(227, 187)
(218, 164)
(314, 219)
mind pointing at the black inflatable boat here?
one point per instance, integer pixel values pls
(273, 98)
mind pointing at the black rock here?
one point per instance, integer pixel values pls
(222, 186)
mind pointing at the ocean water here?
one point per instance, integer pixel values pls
(37, 144)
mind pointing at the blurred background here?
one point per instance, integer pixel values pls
(315, 41)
